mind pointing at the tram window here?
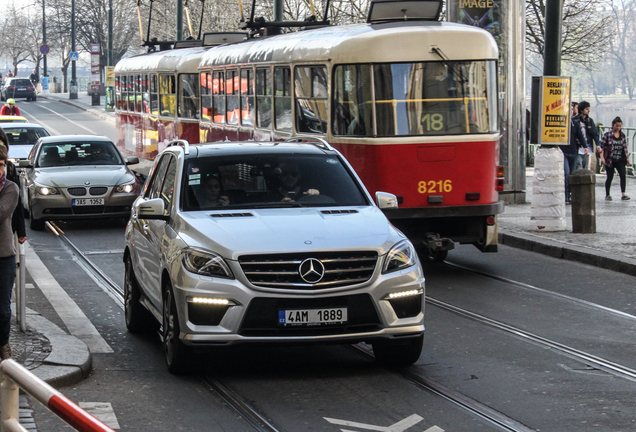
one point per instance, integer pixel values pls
(206, 95)
(138, 94)
(247, 98)
(282, 99)
(167, 96)
(131, 93)
(154, 97)
(118, 92)
(123, 102)
(188, 96)
(232, 96)
(218, 97)
(352, 101)
(310, 86)
(146, 95)
(263, 98)
(435, 98)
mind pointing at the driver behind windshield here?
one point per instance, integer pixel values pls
(291, 187)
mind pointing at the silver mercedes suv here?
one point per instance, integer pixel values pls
(268, 242)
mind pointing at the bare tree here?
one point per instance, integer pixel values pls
(623, 13)
(584, 34)
(15, 45)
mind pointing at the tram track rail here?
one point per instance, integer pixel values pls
(262, 424)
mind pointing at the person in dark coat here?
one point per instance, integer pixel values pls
(615, 156)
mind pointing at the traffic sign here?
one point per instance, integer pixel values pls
(74, 56)
(44, 49)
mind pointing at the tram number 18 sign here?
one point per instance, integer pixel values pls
(551, 98)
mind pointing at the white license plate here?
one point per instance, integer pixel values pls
(298, 317)
(88, 201)
(21, 88)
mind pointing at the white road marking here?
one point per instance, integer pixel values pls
(400, 426)
(102, 411)
(69, 120)
(70, 313)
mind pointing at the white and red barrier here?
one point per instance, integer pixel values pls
(16, 376)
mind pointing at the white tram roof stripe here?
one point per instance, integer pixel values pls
(360, 43)
(185, 60)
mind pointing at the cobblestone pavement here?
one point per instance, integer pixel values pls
(615, 220)
(29, 348)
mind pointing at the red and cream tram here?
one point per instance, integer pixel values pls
(411, 104)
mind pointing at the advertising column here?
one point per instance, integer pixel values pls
(505, 20)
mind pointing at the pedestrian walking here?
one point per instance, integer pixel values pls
(591, 133)
(18, 225)
(615, 156)
(9, 194)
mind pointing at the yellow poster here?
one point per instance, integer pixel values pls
(555, 110)
(110, 76)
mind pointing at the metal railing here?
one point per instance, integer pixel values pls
(630, 134)
(16, 377)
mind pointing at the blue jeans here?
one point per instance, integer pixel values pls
(569, 166)
(7, 278)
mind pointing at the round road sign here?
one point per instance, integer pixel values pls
(44, 49)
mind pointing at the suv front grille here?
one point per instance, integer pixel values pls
(283, 270)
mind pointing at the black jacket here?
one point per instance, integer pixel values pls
(17, 220)
(591, 133)
(577, 139)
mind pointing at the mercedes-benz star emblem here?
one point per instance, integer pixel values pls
(311, 270)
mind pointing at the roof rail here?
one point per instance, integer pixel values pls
(317, 141)
(180, 142)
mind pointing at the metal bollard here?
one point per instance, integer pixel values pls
(582, 186)
(20, 286)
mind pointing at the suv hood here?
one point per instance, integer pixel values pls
(68, 176)
(286, 230)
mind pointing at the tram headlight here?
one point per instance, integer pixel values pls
(401, 256)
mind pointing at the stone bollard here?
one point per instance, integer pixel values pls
(582, 186)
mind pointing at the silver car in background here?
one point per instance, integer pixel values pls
(268, 243)
(77, 177)
(22, 137)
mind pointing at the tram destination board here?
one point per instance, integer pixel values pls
(551, 110)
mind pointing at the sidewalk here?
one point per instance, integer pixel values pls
(613, 246)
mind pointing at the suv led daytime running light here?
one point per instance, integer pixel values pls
(214, 301)
(403, 294)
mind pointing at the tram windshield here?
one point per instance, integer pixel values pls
(422, 98)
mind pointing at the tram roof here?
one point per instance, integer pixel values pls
(359, 43)
(182, 60)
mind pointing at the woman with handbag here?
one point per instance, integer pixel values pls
(615, 156)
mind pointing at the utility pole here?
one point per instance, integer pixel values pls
(110, 33)
(552, 38)
(179, 20)
(73, 91)
(44, 71)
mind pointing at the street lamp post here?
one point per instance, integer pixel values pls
(44, 71)
(110, 33)
(73, 91)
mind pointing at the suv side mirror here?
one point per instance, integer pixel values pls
(386, 200)
(152, 209)
(132, 160)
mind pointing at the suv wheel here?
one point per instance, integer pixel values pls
(138, 318)
(398, 352)
(175, 351)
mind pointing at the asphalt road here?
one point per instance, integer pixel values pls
(336, 387)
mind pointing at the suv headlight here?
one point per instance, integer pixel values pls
(401, 256)
(46, 190)
(206, 263)
(126, 188)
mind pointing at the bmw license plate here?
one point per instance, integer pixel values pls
(312, 317)
(88, 201)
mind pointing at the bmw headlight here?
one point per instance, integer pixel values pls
(126, 188)
(46, 190)
(206, 263)
(401, 256)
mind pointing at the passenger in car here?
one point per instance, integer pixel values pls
(210, 193)
(290, 185)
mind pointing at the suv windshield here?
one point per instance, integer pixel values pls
(262, 181)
